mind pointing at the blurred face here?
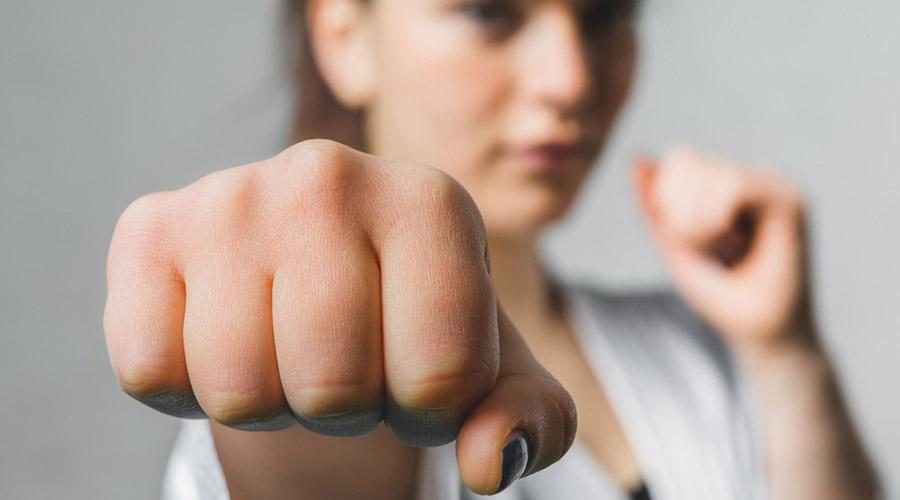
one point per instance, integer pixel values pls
(513, 98)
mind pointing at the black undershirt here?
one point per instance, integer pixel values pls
(640, 493)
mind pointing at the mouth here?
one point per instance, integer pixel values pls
(552, 157)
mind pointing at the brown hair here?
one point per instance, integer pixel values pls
(317, 112)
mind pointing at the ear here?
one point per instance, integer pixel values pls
(340, 34)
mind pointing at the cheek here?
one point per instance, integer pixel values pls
(439, 100)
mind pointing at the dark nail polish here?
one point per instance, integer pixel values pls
(422, 428)
(342, 425)
(514, 460)
(279, 422)
(174, 403)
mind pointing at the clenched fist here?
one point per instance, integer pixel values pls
(734, 240)
(331, 288)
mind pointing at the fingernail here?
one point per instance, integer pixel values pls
(514, 459)
(279, 422)
(175, 403)
(422, 428)
(342, 425)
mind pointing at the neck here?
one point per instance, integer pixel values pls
(520, 280)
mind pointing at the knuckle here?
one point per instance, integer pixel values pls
(444, 389)
(326, 399)
(440, 191)
(779, 178)
(142, 209)
(675, 207)
(320, 175)
(224, 205)
(227, 193)
(445, 201)
(317, 151)
(240, 407)
(144, 220)
(325, 185)
(680, 157)
(785, 188)
(144, 232)
(731, 176)
(144, 377)
(667, 186)
(730, 188)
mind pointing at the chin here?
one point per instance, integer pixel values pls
(528, 216)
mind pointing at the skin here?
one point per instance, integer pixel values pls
(276, 277)
(812, 448)
(338, 288)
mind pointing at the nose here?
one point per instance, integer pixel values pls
(557, 68)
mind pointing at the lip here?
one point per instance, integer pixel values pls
(551, 156)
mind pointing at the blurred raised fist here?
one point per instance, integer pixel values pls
(734, 241)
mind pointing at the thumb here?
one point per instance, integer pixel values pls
(525, 424)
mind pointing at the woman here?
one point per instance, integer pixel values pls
(725, 393)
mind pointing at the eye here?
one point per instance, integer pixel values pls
(496, 17)
(603, 15)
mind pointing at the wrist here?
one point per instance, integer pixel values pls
(798, 349)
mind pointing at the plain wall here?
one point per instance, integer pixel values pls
(103, 101)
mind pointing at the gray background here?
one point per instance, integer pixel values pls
(102, 101)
